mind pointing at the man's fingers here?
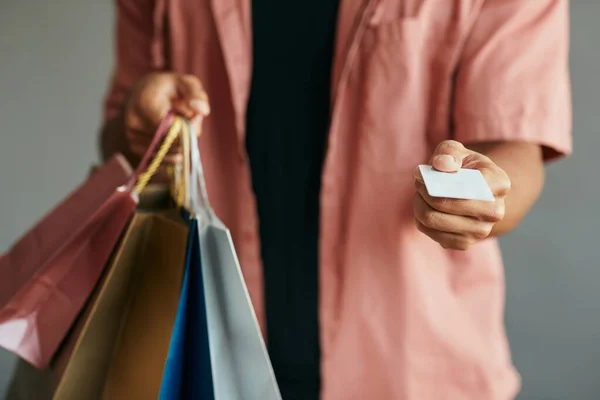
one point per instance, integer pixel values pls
(189, 86)
(497, 179)
(451, 155)
(482, 210)
(191, 90)
(202, 106)
(448, 156)
(446, 163)
(418, 177)
(183, 108)
(450, 223)
(153, 101)
(156, 95)
(138, 124)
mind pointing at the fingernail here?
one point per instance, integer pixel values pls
(446, 159)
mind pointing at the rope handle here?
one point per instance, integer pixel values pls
(188, 184)
(166, 134)
(179, 174)
(145, 176)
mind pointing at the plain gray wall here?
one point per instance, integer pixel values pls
(55, 60)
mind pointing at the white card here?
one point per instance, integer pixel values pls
(467, 184)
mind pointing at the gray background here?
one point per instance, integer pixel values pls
(55, 60)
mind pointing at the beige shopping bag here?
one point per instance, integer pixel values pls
(124, 345)
(138, 361)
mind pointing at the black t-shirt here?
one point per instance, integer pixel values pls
(287, 123)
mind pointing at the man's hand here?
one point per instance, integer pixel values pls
(152, 98)
(459, 224)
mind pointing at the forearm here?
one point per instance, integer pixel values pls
(524, 165)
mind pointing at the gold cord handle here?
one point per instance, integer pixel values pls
(145, 177)
(184, 190)
(179, 174)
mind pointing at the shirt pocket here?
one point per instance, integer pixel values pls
(402, 68)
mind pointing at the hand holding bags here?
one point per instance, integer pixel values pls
(46, 278)
(121, 350)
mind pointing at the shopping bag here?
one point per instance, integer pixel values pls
(87, 366)
(139, 359)
(33, 250)
(44, 281)
(240, 365)
(81, 367)
(30, 383)
(187, 373)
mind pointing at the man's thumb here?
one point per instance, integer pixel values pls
(448, 156)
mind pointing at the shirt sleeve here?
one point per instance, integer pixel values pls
(513, 82)
(134, 39)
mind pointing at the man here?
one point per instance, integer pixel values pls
(320, 112)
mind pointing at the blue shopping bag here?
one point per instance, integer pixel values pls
(218, 352)
(188, 373)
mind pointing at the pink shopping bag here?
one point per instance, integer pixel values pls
(47, 276)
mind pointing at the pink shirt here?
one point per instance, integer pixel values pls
(400, 317)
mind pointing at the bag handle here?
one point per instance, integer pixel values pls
(185, 170)
(179, 174)
(198, 198)
(166, 133)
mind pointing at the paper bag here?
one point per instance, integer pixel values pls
(36, 309)
(88, 347)
(140, 355)
(241, 368)
(187, 372)
(47, 277)
(82, 364)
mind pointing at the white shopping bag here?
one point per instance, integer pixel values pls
(241, 367)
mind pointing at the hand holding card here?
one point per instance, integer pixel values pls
(460, 196)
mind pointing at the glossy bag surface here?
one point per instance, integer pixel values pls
(47, 276)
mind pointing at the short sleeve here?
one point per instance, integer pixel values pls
(134, 38)
(513, 79)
